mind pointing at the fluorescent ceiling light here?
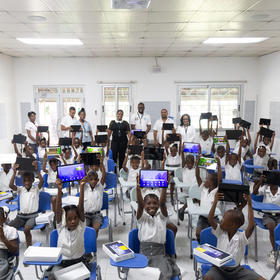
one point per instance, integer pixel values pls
(130, 4)
(236, 40)
(51, 41)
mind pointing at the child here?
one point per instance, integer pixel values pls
(66, 156)
(42, 147)
(27, 151)
(272, 164)
(189, 179)
(261, 159)
(232, 241)
(233, 166)
(208, 190)
(206, 139)
(29, 201)
(245, 144)
(70, 223)
(5, 177)
(134, 168)
(271, 194)
(77, 144)
(264, 141)
(152, 217)
(8, 244)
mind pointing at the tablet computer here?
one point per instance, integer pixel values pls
(102, 128)
(53, 151)
(66, 141)
(206, 116)
(219, 140)
(207, 162)
(76, 128)
(245, 124)
(153, 153)
(139, 134)
(90, 159)
(265, 121)
(236, 120)
(95, 150)
(266, 132)
(233, 192)
(190, 147)
(173, 137)
(71, 172)
(233, 134)
(153, 178)
(135, 150)
(272, 177)
(168, 126)
(19, 139)
(42, 128)
(25, 164)
(100, 138)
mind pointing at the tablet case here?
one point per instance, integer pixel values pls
(233, 192)
(272, 177)
(76, 128)
(66, 141)
(236, 120)
(25, 164)
(173, 137)
(102, 128)
(19, 139)
(90, 159)
(265, 121)
(214, 118)
(100, 139)
(233, 134)
(139, 134)
(153, 153)
(167, 126)
(266, 132)
(42, 128)
(135, 150)
(206, 116)
(245, 124)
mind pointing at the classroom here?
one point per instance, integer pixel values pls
(139, 139)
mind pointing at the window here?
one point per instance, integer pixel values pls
(52, 104)
(116, 97)
(221, 100)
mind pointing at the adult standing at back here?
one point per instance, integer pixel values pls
(119, 129)
(87, 139)
(31, 128)
(186, 130)
(140, 120)
(67, 121)
(158, 127)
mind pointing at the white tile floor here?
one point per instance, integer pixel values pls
(182, 249)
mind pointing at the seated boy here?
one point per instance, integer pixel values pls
(29, 201)
(232, 241)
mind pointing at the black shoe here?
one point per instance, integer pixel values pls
(172, 202)
(181, 214)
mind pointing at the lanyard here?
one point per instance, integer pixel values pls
(139, 116)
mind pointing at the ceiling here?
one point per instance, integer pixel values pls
(166, 28)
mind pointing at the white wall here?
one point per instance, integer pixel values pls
(7, 97)
(149, 87)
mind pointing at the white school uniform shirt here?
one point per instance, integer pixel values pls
(5, 180)
(206, 146)
(140, 121)
(71, 242)
(152, 229)
(67, 121)
(158, 127)
(188, 133)
(33, 130)
(132, 174)
(222, 160)
(236, 246)
(78, 150)
(70, 160)
(244, 150)
(93, 198)
(29, 200)
(41, 152)
(207, 198)
(52, 175)
(173, 161)
(268, 197)
(233, 173)
(10, 233)
(260, 161)
(189, 177)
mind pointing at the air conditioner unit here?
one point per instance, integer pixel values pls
(156, 68)
(130, 4)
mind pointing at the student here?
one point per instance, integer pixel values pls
(66, 156)
(186, 130)
(264, 141)
(272, 164)
(208, 191)
(76, 144)
(42, 147)
(152, 217)
(6, 174)
(245, 145)
(261, 159)
(233, 166)
(29, 201)
(189, 179)
(70, 224)
(28, 151)
(232, 241)
(8, 244)
(134, 168)
(94, 188)
(271, 194)
(221, 152)
(67, 121)
(206, 139)
(31, 128)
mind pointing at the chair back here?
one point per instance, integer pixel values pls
(105, 203)
(111, 165)
(18, 181)
(194, 192)
(277, 235)
(206, 236)
(45, 178)
(179, 173)
(123, 174)
(111, 180)
(258, 198)
(89, 240)
(134, 243)
(110, 154)
(247, 168)
(133, 196)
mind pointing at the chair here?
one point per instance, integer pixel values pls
(14, 258)
(111, 184)
(249, 168)
(134, 244)
(44, 205)
(111, 165)
(18, 181)
(277, 247)
(110, 154)
(206, 236)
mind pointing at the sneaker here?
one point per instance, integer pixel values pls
(181, 213)
(271, 257)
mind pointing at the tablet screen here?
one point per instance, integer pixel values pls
(153, 178)
(191, 147)
(72, 172)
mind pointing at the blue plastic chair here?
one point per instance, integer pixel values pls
(249, 168)
(18, 181)
(277, 247)
(111, 165)
(134, 244)
(14, 258)
(110, 154)
(44, 205)
(90, 247)
(111, 185)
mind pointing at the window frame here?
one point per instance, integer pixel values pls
(210, 85)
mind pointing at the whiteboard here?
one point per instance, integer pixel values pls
(153, 108)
